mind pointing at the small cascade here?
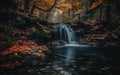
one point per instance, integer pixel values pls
(63, 33)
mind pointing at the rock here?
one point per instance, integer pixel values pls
(81, 58)
(49, 63)
(41, 63)
(73, 61)
(72, 69)
(75, 66)
(65, 73)
(105, 68)
(62, 72)
(35, 62)
(47, 67)
(42, 69)
(39, 73)
(58, 43)
(89, 62)
(40, 51)
(31, 70)
(99, 71)
(59, 68)
(83, 68)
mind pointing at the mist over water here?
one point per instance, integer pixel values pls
(69, 56)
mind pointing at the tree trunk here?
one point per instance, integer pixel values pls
(47, 15)
(72, 10)
(108, 11)
(33, 8)
(26, 5)
(17, 2)
(100, 13)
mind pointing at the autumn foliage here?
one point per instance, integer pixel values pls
(25, 47)
(95, 4)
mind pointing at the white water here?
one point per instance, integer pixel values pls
(64, 33)
(75, 45)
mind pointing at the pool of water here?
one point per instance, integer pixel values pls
(111, 54)
(87, 60)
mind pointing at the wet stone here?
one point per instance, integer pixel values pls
(83, 68)
(35, 62)
(58, 68)
(65, 73)
(73, 61)
(42, 69)
(31, 70)
(40, 51)
(80, 58)
(47, 67)
(74, 66)
(39, 73)
(105, 68)
(72, 69)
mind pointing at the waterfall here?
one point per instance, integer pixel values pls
(64, 33)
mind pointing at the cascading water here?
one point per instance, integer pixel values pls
(64, 33)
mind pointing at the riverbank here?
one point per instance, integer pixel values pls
(21, 41)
